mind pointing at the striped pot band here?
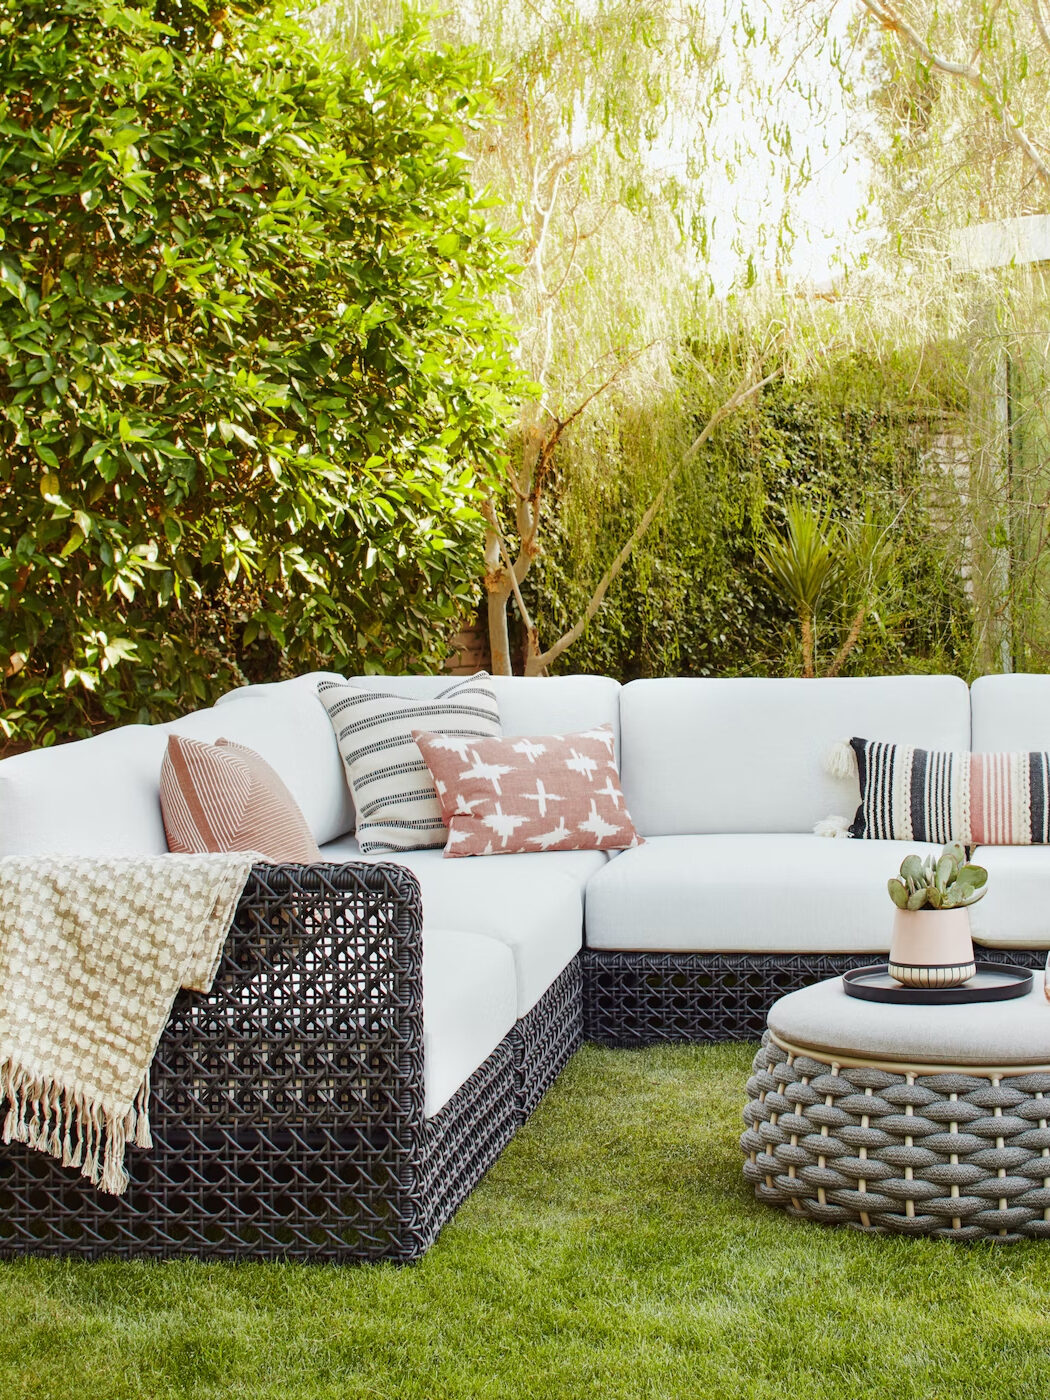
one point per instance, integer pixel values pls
(980, 799)
(397, 805)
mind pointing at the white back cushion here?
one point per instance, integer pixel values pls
(99, 796)
(306, 683)
(95, 797)
(1011, 714)
(705, 756)
(287, 725)
(527, 704)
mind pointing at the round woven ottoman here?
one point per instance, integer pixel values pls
(918, 1120)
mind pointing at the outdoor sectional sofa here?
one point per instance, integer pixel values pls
(378, 1030)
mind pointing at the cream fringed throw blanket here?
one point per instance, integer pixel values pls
(92, 954)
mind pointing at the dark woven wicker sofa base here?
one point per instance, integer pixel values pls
(287, 1104)
(960, 1156)
(633, 999)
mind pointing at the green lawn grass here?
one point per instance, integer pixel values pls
(613, 1253)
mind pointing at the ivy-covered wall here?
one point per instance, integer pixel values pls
(693, 601)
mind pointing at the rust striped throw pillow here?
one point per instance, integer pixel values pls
(980, 799)
(223, 797)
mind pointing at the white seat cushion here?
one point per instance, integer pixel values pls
(767, 893)
(706, 756)
(823, 1018)
(95, 797)
(577, 866)
(1015, 913)
(468, 1007)
(531, 903)
(287, 725)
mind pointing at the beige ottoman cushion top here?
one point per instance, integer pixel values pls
(822, 1018)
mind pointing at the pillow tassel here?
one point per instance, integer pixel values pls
(841, 760)
(836, 827)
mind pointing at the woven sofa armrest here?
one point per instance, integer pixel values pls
(314, 1023)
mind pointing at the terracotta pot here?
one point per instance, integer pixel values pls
(931, 947)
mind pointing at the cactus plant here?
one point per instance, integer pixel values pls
(947, 881)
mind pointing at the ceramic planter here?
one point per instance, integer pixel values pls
(931, 947)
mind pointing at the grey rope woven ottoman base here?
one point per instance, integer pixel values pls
(960, 1152)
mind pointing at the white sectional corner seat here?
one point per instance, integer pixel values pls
(446, 1061)
(98, 796)
(732, 899)
(531, 904)
(730, 902)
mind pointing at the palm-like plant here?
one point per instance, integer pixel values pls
(803, 565)
(867, 573)
(817, 564)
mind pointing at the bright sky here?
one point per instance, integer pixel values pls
(824, 213)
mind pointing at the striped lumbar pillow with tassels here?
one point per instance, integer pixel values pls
(910, 794)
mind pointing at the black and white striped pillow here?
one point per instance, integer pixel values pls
(397, 805)
(980, 799)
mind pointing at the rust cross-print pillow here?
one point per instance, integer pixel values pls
(547, 792)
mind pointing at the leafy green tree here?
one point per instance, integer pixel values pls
(252, 385)
(601, 159)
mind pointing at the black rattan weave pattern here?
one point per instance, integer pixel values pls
(287, 1104)
(547, 1037)
(635, 999)
(463, 1140)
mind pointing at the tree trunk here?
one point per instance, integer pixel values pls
(852, 637)
(809, 669)
(535, 662)
(499, 633)
(497, 587)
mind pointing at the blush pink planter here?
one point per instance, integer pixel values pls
(931, 947)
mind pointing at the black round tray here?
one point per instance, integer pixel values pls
(993, 982)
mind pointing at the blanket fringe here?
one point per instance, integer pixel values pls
(74, 1127)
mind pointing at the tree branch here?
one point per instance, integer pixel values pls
(561, 424)
(489, 511)
(1041, 24)
(890, 18)
(735, 401)
(570, 260)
